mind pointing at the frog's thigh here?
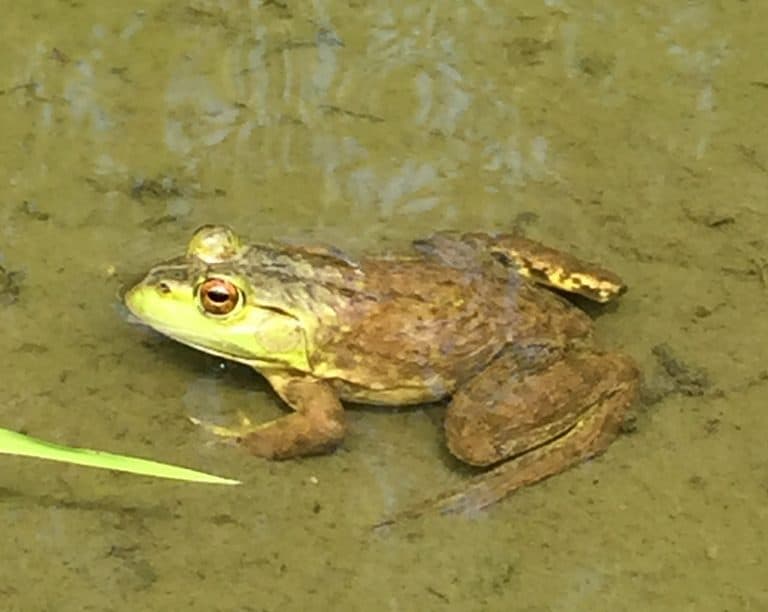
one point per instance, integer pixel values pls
(546, 420)
(570, 408)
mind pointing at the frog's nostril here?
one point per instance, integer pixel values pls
(164, 288)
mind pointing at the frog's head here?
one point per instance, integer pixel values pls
(221, 300)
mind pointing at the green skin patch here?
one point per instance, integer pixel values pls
(14, 443)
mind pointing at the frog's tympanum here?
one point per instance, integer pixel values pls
(466, 317)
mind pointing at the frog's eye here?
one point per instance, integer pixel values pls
(218, 296)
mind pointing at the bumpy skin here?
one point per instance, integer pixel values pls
(463, 316)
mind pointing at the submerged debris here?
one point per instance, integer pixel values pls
(10, 286)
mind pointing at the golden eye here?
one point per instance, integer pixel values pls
(218, 296)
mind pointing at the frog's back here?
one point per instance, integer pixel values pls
(408, 329)
(416, 330)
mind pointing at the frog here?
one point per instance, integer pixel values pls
(486, 323)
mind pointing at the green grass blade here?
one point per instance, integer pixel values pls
(14, 443)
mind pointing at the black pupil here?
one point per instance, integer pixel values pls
(218, 295)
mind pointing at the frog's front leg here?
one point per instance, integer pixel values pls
(542, 422)
(316, 426)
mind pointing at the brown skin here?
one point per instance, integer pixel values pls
(464, 317)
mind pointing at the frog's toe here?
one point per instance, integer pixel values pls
(466, 501)
(237, 431)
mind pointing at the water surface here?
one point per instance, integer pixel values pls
(630, 133)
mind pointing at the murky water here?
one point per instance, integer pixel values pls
(631, 133)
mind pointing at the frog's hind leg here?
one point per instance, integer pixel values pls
(553, 268)
(535, 261)
(545, 420)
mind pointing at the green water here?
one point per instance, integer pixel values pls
(632, 133)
